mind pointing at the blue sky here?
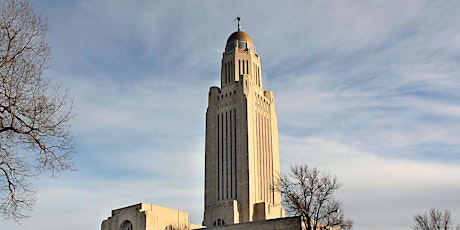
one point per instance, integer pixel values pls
(368, 90)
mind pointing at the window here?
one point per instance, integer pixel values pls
(170, 227)
(219, 222)
(242, 45)
(126, 225)
(231, 46)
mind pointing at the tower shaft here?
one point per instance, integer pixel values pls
(241, 151)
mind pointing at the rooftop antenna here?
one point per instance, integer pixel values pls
(238, 19)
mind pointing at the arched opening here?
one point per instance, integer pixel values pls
(126, 225)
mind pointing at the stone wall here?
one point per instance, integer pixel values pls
(288, 223)
(146, 217)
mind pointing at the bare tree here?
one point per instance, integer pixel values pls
(34, 114)
(434, 220)
(308, 193)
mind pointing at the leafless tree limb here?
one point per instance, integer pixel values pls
(435, 219)
(34, 115)
(308, 193)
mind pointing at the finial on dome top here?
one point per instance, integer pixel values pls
(238, 19)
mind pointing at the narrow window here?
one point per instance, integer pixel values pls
(218, 156)
(232, 69)
(225, 73)
(236, 156)
(260, 77)
(239, 67)
(222, 156)
(226, 154)
(228, 72)
(247, 67)
(231, 154)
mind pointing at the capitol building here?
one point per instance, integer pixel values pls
(241, 156)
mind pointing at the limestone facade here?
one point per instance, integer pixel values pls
(241, 149)
(286, 223)
(147, 217)
(152, 217)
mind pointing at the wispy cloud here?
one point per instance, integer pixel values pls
(368, 91)
(375, 185)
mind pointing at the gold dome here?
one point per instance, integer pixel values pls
(240, 36)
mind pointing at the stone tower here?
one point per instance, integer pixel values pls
(241, 151)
